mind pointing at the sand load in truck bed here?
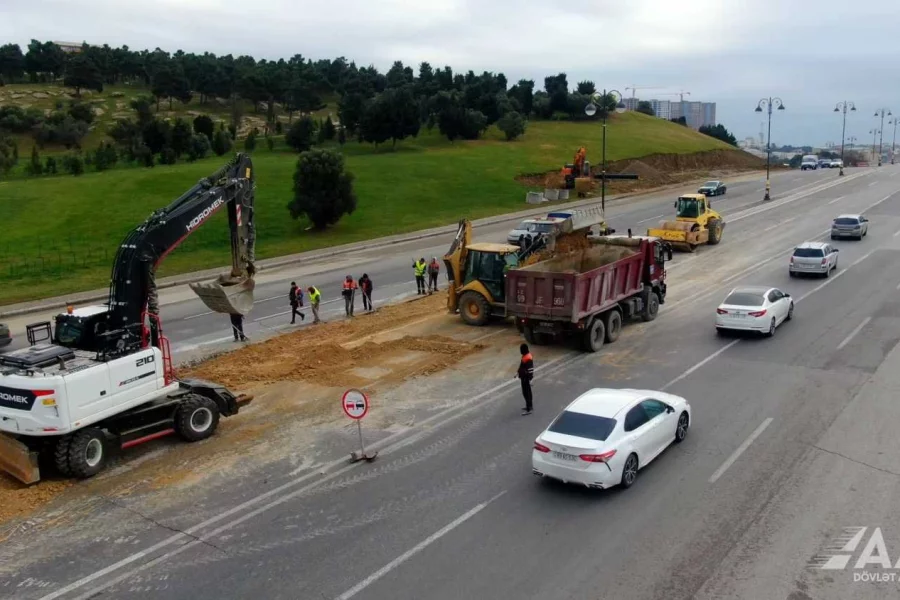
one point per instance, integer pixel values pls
(582, 261)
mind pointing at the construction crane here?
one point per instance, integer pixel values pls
(634, 87)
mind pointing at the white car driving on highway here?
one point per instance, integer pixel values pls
(759, 309)
(605, 436)
(816, 258)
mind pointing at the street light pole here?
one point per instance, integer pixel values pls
(894, 140)
(881, 112)
(590, 110)
(874, 133)
(769, 103)
(842, 107)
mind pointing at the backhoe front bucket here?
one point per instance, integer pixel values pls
(18, 460)
(227, 294)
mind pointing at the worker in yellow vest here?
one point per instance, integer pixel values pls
(420, 266)
(315, 296)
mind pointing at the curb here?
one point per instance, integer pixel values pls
(279, 262)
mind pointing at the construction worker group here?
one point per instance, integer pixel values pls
(432, 269)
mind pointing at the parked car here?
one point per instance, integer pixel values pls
(759, 309)
(809, 162)
(712, 188)
(813, 257)
(532, 227)
(837, 163)
(824, 163)
(852, 226)
(5, 336)
(605, 436)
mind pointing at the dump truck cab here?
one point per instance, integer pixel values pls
(695, 223)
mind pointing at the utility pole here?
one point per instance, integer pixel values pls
(880, 112)
(842, 107)
(590, 110)
(893, 141)
(769, 103)
(874, 133)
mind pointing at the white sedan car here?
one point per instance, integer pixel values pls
(605, 436)
(760, 309)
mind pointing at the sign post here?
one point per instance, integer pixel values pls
(355, 405)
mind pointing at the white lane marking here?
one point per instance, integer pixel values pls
(862, 258)
(776, 225)
(278, 314)
(873, 205)
(839, 198)
(189, 535)
(487, 335)
(896, 233)
(854, 332)
(650, 219)
(835, 277)
(898, 286)
(203, 314)
(699, 364)
(762, 189)
(741, 449)
(415, 550)
(873, 183)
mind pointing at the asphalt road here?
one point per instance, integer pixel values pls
(793, 438)
(191, 326)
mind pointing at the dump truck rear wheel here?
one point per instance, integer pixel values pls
(715, 232)
(61, 456)
(197, 418)
(87, 452)
(593, 336)
(474, 309)
(613, 326)
(651, 307)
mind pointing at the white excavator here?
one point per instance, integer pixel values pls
(105, 381)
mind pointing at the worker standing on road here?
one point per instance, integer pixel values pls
(525, 375)
(434, 267)
(365, 286)
(296, 298)
(349, 293)
(315, 296)
(420, 266)
(237, 327)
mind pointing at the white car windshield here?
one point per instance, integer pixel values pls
(591, 427)
(744, 299)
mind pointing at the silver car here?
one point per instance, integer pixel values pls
(852, 226)
(814, 257)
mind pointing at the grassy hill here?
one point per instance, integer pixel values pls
(62, 232)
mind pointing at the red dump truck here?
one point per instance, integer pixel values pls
(589, 293)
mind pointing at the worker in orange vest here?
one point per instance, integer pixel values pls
(525, 375)
(349, 293)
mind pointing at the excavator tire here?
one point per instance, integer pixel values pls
(61, 456)
(474, 309)
(87, 452)
(593, 336)
(715, 231)
(197, 418)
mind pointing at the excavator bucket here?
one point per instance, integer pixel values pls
(18, 460)
(682, 235)
(227, 294)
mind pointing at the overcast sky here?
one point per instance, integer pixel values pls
(811, 53)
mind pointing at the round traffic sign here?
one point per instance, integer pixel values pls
(355, 404)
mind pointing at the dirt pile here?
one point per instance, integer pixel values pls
(17, 499)
(646, 174)
(565, 244)
(342, 353)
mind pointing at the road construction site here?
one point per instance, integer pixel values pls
(262, 507)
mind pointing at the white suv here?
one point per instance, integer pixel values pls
(814, 257)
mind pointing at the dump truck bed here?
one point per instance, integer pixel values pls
(575, 286)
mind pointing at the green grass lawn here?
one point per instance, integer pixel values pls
(61, 233)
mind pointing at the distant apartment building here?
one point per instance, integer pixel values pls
(696, 114)
(662, 108)
(69, 47)
(631, 103)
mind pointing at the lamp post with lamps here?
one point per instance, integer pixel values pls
(842, 107)
(590, 110)
(875, 133)
(769, 103)
(880, 113)
(894, 140)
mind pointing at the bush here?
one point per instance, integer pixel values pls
(199, 147)
(168, 156)
(250, 143)
(512, 125)
(204, 125)
(221, 143)
(9, 154)
(232, 130)
(300, 135)
(279, 128)
(328, 128)
(50, 167)
(34, 167)
(270, 142)
(105, 157)
(323, 191)
(73, 163)
(81, 112)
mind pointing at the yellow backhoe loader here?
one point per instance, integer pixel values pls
(695, 223)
